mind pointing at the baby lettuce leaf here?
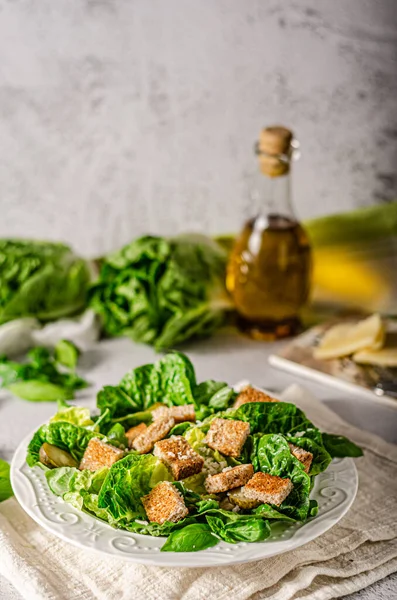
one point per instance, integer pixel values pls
(142, 385)
(211, 396)
(192, 538)
(127, 481)
(321, 458)
(239, 528)
(115, 400)
(5, 482)
(66, 436)
(116, 436)
(78, 488)
(156, 529)
(77, 415)
(67, 354)
(132, 419)
(270, 512)
(271, 454)
(170, 381)
(276, 417)
(340, 446)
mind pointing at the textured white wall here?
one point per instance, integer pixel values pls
(120, 117)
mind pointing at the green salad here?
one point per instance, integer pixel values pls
(194, 462)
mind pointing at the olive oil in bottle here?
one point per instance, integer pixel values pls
(268, 274)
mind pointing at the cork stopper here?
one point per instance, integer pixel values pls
(274, 150)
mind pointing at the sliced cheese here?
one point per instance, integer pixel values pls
(386, 357)
(348, 338)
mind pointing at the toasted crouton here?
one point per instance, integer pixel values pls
(155, 432)
(268, 488)
(133, 433)
(179, 456)
(304, 456)
(98, 454)
(228, 479)
(250, 394)
(227, 436)
(164, 503)
(238, 498)
(178, 413)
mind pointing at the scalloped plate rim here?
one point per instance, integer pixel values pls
(221, 555)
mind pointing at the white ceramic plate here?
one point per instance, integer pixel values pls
(334, 490)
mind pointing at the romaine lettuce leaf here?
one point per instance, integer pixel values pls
(127, 481)
(271, 454)
(66, 436)
(77, 415)
(78, 488)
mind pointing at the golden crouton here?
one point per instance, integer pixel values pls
(268, 488)
(179, 456)
(179, 413)
(98, 454)
(164, 503)
(227, 436)
(133, 433)
(250, 394)
(231, 477)
(156, 431)
(304, 456)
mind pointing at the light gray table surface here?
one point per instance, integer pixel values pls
(226, 357)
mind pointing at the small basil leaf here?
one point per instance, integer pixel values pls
(241, 530)
(191, 538)
(67, 354)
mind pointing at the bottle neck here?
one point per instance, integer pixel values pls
(272, 198)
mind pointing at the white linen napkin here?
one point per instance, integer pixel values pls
(358, 551)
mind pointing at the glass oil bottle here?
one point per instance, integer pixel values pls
(268, 274)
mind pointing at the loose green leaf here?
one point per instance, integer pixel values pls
(340, 446)
(5, 482)
(191, 538)
(40, 391)
(67, 354)
(39, 379)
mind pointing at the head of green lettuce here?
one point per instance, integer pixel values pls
(41, 279)
(163, 291)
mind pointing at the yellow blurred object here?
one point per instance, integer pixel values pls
(346, 338)
(340, 276)
(355, 258)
